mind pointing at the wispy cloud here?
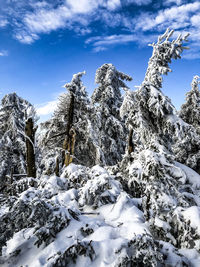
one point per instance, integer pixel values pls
(100, 43)
(46, 108)
(145, 26)
(177, 2)
(112, 39)
(182, 18)
(3, 53)
(178, 15)
(46, 18)
(3, 22)
(25, 37)
(32, 18)
(138, 2)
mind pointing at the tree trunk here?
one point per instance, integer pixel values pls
(70, 148)
(69, 141)
(30, 154)
(130, 142)
(11, 176)
(57, 167)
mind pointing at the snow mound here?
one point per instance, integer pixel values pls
(95, 223)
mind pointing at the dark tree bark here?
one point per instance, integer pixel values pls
(57, 167)
(70, 147)
(30, 154)
(11, 176)
(130, 142)
(69, 141)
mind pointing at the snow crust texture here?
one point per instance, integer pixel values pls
(51, 222)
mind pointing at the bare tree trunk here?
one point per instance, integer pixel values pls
(11, 176)
(130, 141)
(30, 154)
(69, 141)
(57, 167)
(70, 148)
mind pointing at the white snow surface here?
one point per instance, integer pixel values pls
(108, 227)
(192, 177)
(112, 225)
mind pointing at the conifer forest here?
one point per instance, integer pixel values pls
(109, 180)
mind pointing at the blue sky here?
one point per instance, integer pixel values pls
(43, 43)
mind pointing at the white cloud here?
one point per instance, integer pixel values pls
(83, 6)
(164, 18)
(138, 2)
(195, 20)
(47, 108)
(192, 54)
(3, 22)
(3, 53)
(99, 48)
(31, 18)
(113, 4)
(112, 39)
(26, 37)
(169, 2)
(101, 43)
(46, 16)
(47, 20)
(183, 18)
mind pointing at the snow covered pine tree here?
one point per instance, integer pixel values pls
(86, 218)
(12, 136)
(30, 129)
(69, 130)
(109, 127)
(150, 172)
(190, 111)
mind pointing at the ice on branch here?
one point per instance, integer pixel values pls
(76, 85)
(190, 110)
(163, 52)
(108, 125)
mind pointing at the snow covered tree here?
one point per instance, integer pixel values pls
(151, 110)
(143, 211)
(12, 136)
(190, 111)
(163, 52)
(150, 172)
(126, 107)
(153, 117)
(30, 129)
(101, 223)
(69, 130)
(109, 127)
(167, 194)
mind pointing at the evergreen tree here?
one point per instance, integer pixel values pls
(125, 109)
(12, 136)
(109, 127)
(153, 117)
(151, 172)
(69, 129)
(190, 111)
(151, 111)
(143, 211)
(30, 130)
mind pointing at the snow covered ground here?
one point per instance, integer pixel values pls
(101, 224)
